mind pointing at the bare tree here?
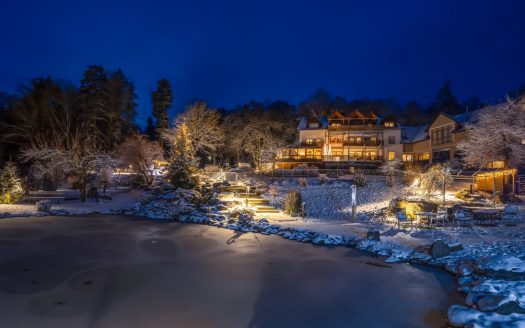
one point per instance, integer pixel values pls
(498, 135)
(261, 144)
(203, 126)
(76, 153)
(140, 153)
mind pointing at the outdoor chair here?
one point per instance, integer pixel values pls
(510, 215)
(464, 218)
(401, 217)
(441, 216)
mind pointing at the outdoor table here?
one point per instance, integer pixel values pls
(486, 216)
(426, 217)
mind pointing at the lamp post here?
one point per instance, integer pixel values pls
(354, 202)
(445, 171)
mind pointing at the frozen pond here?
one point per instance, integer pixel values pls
(117, 271)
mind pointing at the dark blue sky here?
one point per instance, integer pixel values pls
(228, 52)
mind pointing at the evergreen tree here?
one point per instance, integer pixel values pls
(182, 164)
(150, 129)
(10, 184)
(445, 101)
(162, 99)
(121, 115)
(94, 102)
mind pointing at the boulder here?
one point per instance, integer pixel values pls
(440, 249)
(499, 304)
(466, 267)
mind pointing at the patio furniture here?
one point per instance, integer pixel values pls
(441, 216)
(401, 217)
(425, 218)
(52, 196)
(510, 215)
(462, 217)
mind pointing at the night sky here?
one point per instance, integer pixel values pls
(228, 52)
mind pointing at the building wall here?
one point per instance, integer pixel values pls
(311, 134)
(397, 148)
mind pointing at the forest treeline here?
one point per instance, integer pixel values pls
(103, 106)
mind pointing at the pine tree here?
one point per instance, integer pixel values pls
(182, 164)
(94, 102)
(123, 108)
(10, 184)
(162, 99)
(445, 101)
(150, 129)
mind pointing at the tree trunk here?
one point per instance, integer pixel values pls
(82, 182)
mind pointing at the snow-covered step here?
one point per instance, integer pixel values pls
(265, 209)
(246, 195)
(258, 201)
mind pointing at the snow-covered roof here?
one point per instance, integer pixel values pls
(468, 117)
(303, 123)
(413, 133)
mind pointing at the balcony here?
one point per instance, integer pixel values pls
(299, 158)
(312, 144)
(348, 158)
(366, 143)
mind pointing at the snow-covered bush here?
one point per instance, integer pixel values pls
(43, 206)
(432, 180)
(389, 169)
(11, 188)
(323, 178)
(293, 203)
(302, 182)
(360, 180)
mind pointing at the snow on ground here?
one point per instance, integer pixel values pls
(332, 200)
(121, 199)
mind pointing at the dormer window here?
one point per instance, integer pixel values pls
(390, 124)
(313, 125)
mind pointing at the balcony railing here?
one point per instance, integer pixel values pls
(346, 158)
(312, 144)
(363, 143)
(327, 158)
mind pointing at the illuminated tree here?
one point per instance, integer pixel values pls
(10, 184)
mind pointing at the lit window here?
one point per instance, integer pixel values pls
(408, 157)
(423, 157)
(389, 124)
(391, 155)
(314, 125)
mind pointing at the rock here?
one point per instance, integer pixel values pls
(472, 298)
(373, 235)
(500, 304)
(439, 249)
(502, 267)
(466, 267)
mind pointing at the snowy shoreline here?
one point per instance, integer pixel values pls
(493, 278)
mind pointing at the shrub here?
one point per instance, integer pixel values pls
(360, 180)
(43, 206)
(293, 203)
(11, 188)
(302, 182)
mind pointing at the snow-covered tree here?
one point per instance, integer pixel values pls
(498, 135)
(140, 153)
(435, 179)
(390, 169)
(77, 154)
(182, 164)
(261, 143)
(203, 129)
(10, 184)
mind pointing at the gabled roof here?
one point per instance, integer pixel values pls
(336, 115)
(411, 134)
(303, 123)
(356, 114)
